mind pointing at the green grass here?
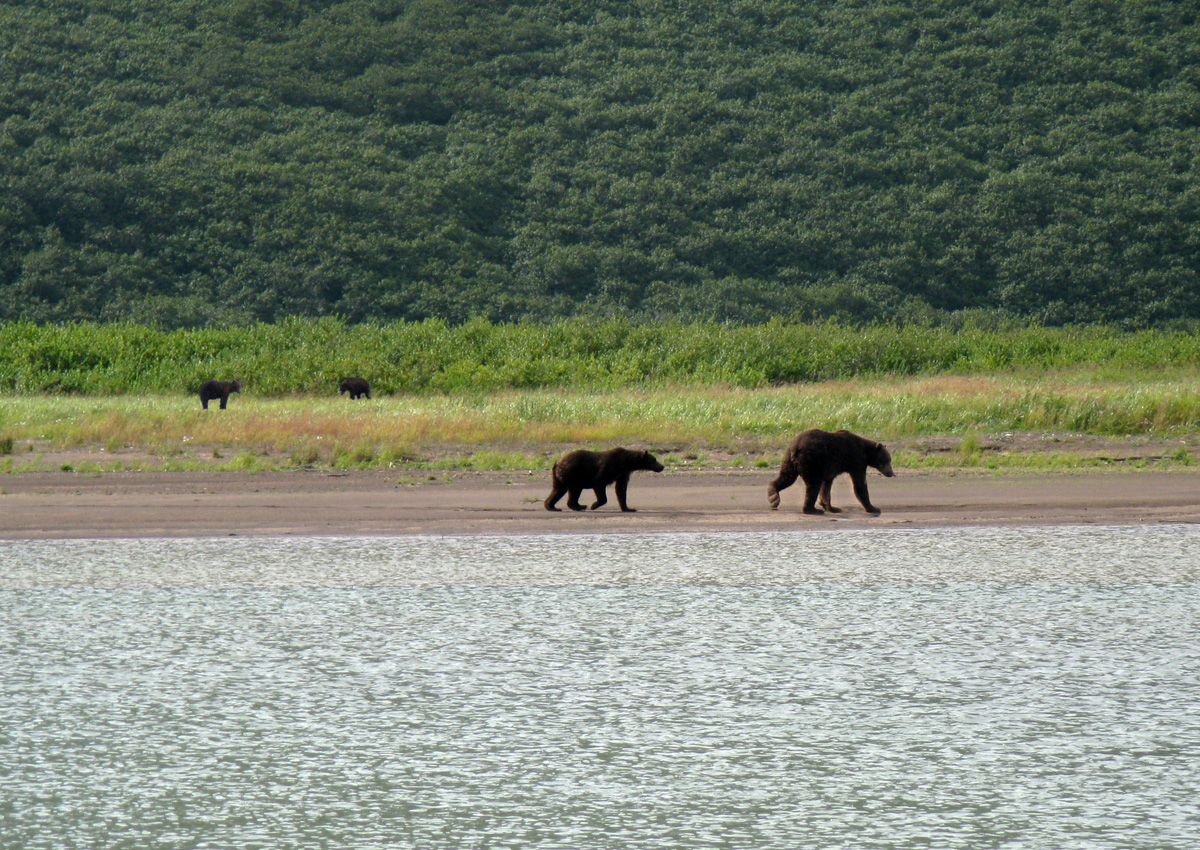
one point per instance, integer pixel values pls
(604, 356)
(692, 426)
(501, 396)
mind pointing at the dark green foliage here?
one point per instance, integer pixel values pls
(311, 356)
(187, 164)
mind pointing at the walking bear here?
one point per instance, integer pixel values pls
(584, 470)
(356, 387)
(818, 457)
(218, 389)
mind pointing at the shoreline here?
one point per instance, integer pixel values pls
(178, 504)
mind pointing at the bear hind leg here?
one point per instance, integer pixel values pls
(825, 500)
(812, 489)
(787, 477)
(556, 493)
(601, 497)
(573, 499)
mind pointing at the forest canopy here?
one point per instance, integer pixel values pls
(181, 163)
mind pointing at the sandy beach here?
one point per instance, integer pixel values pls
(321, 502)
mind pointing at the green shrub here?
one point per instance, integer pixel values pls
(310, 356)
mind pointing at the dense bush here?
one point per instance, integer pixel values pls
(181, 163)
(311, 356)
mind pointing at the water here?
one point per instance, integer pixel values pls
(1006, 688)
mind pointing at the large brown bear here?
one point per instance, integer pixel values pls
(583, 470)
(218, 389)
(818, 457)
(356, 387)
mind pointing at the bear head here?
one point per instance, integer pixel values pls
(649, 462)
(879, 458)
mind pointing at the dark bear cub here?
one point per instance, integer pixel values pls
(218, 389)
(356, 387)
(584, 470)
(818, 457)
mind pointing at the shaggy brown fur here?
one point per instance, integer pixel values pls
(583, 470)
(818, 457)
(218, 389)
(356, 387)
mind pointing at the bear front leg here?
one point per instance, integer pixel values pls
(812, 489)
(224, 399)
(860, 492)
(622, 487)
(825, 501)
(601, 498)
(573, 499)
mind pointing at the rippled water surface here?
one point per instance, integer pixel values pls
(1015, 688)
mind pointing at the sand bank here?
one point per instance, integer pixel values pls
(311, 502)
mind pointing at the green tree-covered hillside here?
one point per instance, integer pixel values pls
(181, 163)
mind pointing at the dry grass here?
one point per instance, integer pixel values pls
(528, 428)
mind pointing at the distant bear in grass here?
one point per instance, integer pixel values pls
(218, 389)
(818, 457)
(584, 470)
(356, 387)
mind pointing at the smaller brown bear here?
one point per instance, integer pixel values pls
(356, 387)
(818, 457)
(218, 389)
(584, 470)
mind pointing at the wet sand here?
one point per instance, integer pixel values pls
(210, 504)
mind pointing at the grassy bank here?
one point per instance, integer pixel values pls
(605, 356)
(514, 429)
(505, 396)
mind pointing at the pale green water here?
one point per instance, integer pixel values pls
(1019, 688)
